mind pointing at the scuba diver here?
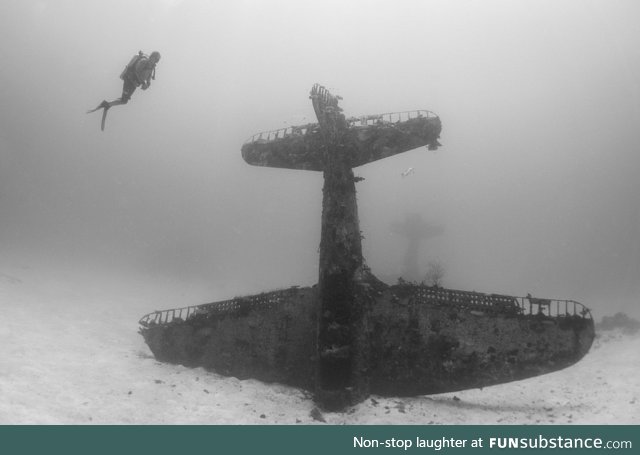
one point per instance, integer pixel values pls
(138, 73)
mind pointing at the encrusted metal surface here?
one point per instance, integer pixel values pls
(421, 339)
(369, 138)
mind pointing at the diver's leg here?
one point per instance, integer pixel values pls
(117, 102)
(127, 90)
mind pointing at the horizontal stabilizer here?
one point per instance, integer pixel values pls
(368, 138)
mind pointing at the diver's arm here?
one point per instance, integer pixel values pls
(145, 76)
(146, 81)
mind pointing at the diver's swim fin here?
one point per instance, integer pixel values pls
(104, 104)
(104, 117)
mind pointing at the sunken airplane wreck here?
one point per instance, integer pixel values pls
(351, 334)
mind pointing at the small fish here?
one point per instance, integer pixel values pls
(407, 172)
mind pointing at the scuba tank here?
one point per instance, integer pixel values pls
(131, 64)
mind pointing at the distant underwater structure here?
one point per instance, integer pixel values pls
(351, 334)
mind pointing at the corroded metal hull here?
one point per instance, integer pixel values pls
(422, 340)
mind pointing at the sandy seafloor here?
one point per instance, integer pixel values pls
(70, 354)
